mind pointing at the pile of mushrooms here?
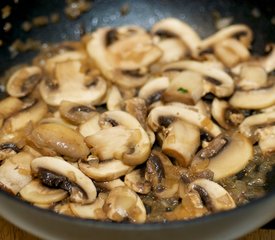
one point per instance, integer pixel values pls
(99, 128)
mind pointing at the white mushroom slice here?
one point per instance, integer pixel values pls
(23, 81)
(75, 112)
(56, 138)
(72, 86)
(121, 61)
(254, 99)
(138, 153)
(240, 31)
(216, 80)
(31, 114)
(266, 139)
(231, 52)
(7, 150)
(109, 185)
(203, 108)
(55, 172)
(252, 77)
(225, 155)
(90, 127)
(163, 176)
(258, 121)
(172, 50)
(152, 90)
(137, 182)
(15, 172)
(105, 170)
(225, 115)
(268, 62)
(164, 115)
(215, 196)
(35, 192)
(176, 28)
(115, 99)
(113, 142)
(186, 87)
(181, 142)
(51, 63)
(90, 211)
(123, 203)
(9, 106)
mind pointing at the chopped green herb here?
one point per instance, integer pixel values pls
(182, 90)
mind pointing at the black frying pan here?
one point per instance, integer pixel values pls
(197, 13)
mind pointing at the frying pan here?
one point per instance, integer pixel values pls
(48, 225)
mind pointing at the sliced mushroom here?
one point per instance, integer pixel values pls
(15, 172)
(252, 77)
(76, 113)
(137, 182)
(190, 207)
(260, 127)
(57, 173)
(9, 106)
(90, 127)
(109, 185)
(225, 115)
(35, 192)
(231, 52)
(115, 99)
(216, 80)
(165, 115)
(176, 28)
(254, 99)
(123, 60)
(224, 156)
(213, 195)
(72, 85)
(137, 153)
(123, 203)
(31, 114)
(242, 32)
(181, 142)
(55, 139)
(186, 87)
(113, 142)
(162, 174)
(152, 91)
(91, 211)
(8, 149)
(63, 208)
(105, 170)
(23, 81)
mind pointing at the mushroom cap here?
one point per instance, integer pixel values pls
(140, 152)
(23, 81)
(91, 211)
(71, 86)
(123, 203)
(216, 197)
(179, 29)
(9, 106)
(254, 99)
(35, 192)
(226, 155)
(109, 185)
(84, 192)
(60, 139)
(105, 170)
(183, 112)
(216, 80)
(90, 127)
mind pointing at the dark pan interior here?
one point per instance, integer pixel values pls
(198, 13)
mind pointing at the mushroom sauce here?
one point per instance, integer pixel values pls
(141, 126)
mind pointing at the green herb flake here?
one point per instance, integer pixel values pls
(182, 90)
